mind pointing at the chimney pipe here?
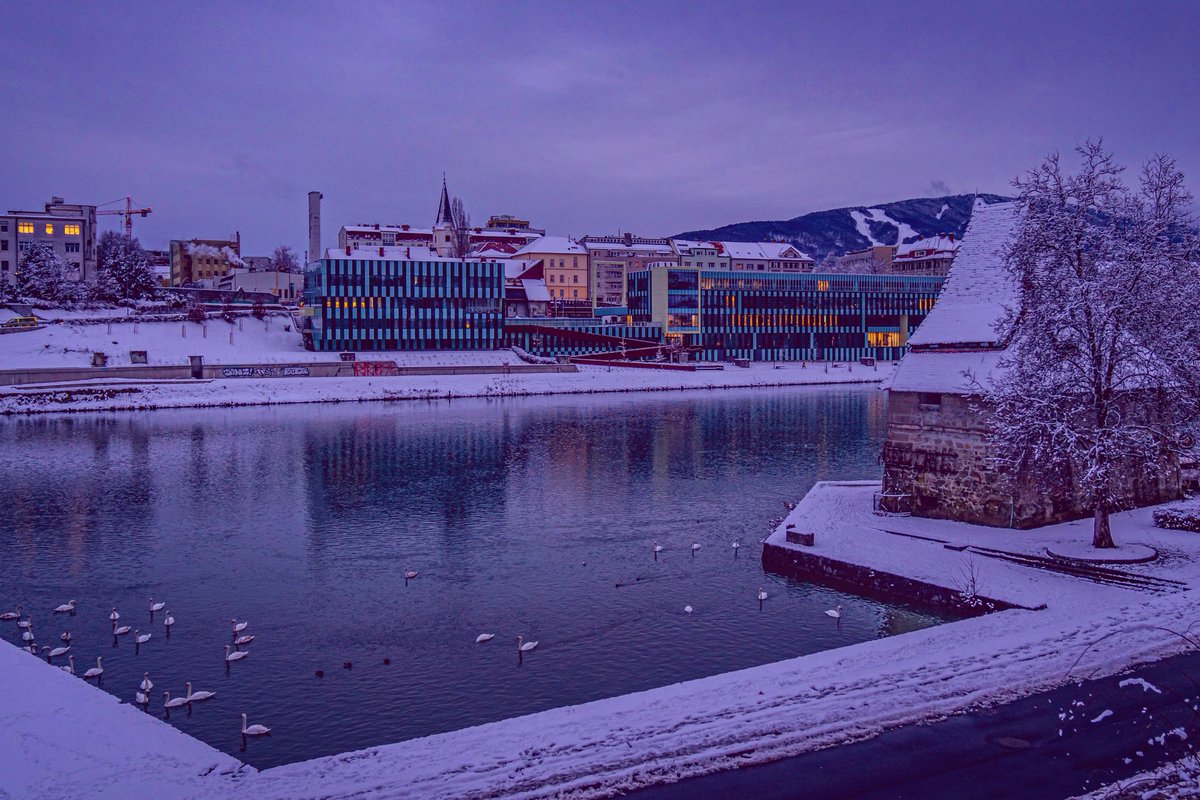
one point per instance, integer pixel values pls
(347, 249)
(381, 251)
(314, 226)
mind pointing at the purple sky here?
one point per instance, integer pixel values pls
(650, 117)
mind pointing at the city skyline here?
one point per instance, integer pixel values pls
(582, 119)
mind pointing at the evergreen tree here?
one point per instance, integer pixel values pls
(43, 275)
(124, 271)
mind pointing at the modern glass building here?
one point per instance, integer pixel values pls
(782, 316)
(381, 300)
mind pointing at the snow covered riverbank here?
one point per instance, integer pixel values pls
(122, 395)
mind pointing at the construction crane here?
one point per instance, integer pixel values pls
(126, 212)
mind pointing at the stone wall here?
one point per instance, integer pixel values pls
(937, 452)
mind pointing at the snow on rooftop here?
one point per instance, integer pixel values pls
(535, 290)
(553, 244)
(927, 247)
(390, 253)
(978, 290)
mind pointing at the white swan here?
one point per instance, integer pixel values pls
(65, 608)
(70, 667)
(253, 730)
(141, 698)
(658, 548)
(146, 684)
(484, 637)
(27, 635)
(409, 574)
(168, 621)
(25, 623)
(96, 671)
(198, 696)
(238, 627)
(156, 606)
(65, 636)
(121, 631)
(687, 609)
(141, 638)
(176, 703)
(762, 595)
(234, 656)
(736, 545)
(695, 546)
(247, 639)
(836, 613)
(524, 646)
(9, 616)
(57, 651)
(114, 616)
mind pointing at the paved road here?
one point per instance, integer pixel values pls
(1012, 751)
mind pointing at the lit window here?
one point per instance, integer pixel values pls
(71, 230)
(24, 227)
(49, 229)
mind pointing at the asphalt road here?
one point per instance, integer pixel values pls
(1019, 750)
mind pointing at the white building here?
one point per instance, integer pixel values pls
(930, 256)
(68, 228)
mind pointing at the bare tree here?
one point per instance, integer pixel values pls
(1100, 377)
(460, 229)
(284, 260)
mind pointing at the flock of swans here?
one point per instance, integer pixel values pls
(142, 696)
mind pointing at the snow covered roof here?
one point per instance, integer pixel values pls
(535, 290)
(944, 372)
(928, 247)
(397, 253)
(763, 251)
(553, 244)
(978, 289)
(516, 268)
(390, 228)
(636, 247)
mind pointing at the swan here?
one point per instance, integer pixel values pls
(70, 667)
(658, 548)
(253, 730)
(198, 696)
(141, 638)
(32, 648)
(96, 671)
(484, 637)
(65, 608)
(168, 621)
(65, 636)
(247, 639)
(156, 606)
(695, 547)
(238, 627)
(25, 623)
(27, 635)
(114, 616)
(836, 613)
(58, 651)
(762, 595)
(687, 609)
(141, 698)
(146, 684)
(409, 574)
(234, 656)
(524, 646)
(176, 703)
(9, 616)
(121, 631)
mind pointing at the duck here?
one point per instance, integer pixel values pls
(96, 671)
(70, 667)
(65, 608)
(141, 638)
(484, 637)
(253, 730)
(9, 616)
(235, 655)
(176, 703)
(524, 646)
(146, 684)
(198, 696)
(156, 606)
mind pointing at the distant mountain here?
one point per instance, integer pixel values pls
(825, 233)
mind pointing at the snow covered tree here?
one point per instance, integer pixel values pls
(284, 260)
(123, 269)
(1099, 382)
(42, 274)
(460, 229)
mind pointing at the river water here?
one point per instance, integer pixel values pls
(533, 516)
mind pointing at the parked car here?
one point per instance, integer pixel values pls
(22, 322)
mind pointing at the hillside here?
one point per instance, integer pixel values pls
(840, 230)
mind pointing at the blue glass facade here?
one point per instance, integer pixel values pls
(382, 304)
(783, 316)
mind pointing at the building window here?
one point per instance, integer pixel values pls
(72, 247)
(575, 279)
(24, 247)
(71, 230)
(24, 227)
(3, 266)
(3, 244)
(49, 229)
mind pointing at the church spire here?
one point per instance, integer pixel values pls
(444, 217)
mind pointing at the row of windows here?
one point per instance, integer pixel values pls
(574, 278)
(48, 228)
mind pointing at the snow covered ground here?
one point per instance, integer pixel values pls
(724, 721)
(111, 395)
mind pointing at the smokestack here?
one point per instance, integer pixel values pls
(314, 225)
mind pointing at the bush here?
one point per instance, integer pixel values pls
(195, 312)
(1178, 519)
(258, 310)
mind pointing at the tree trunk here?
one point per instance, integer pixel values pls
(1101, 532)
